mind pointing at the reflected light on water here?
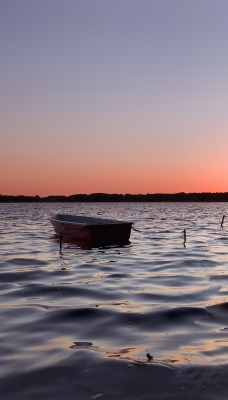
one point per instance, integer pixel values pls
(153, 296)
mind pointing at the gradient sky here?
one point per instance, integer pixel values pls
(116, 96)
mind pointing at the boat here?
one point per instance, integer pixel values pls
(94, 232)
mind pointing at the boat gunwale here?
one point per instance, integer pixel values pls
(86, 224)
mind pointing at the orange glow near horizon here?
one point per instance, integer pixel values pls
(44, 180)
(136, 168)
(70, 167)
(108, 165)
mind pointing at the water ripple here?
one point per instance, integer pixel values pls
(67, 311)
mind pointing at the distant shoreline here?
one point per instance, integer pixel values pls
(123, 198)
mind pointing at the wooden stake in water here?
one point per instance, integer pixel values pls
(185, 237)
(222, 221)
(60, 242)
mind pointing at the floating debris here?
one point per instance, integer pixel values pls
(149, 356)
(97, 396)
(81, 345)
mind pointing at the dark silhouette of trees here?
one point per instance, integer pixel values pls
(106, 197)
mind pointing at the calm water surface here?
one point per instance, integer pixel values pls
(65, 316)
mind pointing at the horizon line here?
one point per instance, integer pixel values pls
(114, 194)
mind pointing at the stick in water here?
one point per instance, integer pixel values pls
(137, 230)
(185, 239)
(60, 242)
(222, 221)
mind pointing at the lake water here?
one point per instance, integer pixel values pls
(80, 324)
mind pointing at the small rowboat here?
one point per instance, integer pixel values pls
(94, 232)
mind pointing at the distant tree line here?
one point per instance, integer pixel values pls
(105, 197)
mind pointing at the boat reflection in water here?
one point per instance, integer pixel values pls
(88, 232)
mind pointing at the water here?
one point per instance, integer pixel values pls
(80, 323)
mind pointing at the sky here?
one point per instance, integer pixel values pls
(113, 96)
